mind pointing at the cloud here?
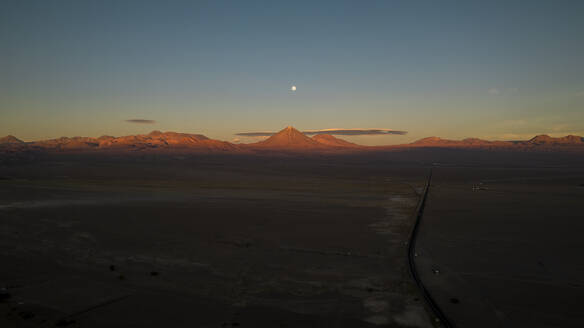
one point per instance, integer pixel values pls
(343, 132)
(141, 121)
(354, 132)
(494, 91)
(255, 134)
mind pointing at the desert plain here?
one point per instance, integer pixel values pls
(207, 242)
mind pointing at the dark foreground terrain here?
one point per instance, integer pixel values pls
(207, 242)
(502, 247)
(290, 241)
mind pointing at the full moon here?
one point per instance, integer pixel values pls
(293, 88)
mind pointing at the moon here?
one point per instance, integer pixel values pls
(293, 88)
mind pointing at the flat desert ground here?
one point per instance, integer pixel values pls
(208, 242)
(291, 241)
(509, 251)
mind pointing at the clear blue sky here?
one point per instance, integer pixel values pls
(494, 69)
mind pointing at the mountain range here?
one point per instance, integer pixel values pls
(288, 139)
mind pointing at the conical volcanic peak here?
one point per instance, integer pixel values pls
(290, 138)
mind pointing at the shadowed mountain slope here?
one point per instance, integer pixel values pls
(9, 139)
(327, 139)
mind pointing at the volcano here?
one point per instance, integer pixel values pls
(290, 138)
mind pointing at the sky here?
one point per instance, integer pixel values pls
(502, 70)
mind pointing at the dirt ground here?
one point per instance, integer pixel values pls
(502, 246)
(290, 241)
(207, 242)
